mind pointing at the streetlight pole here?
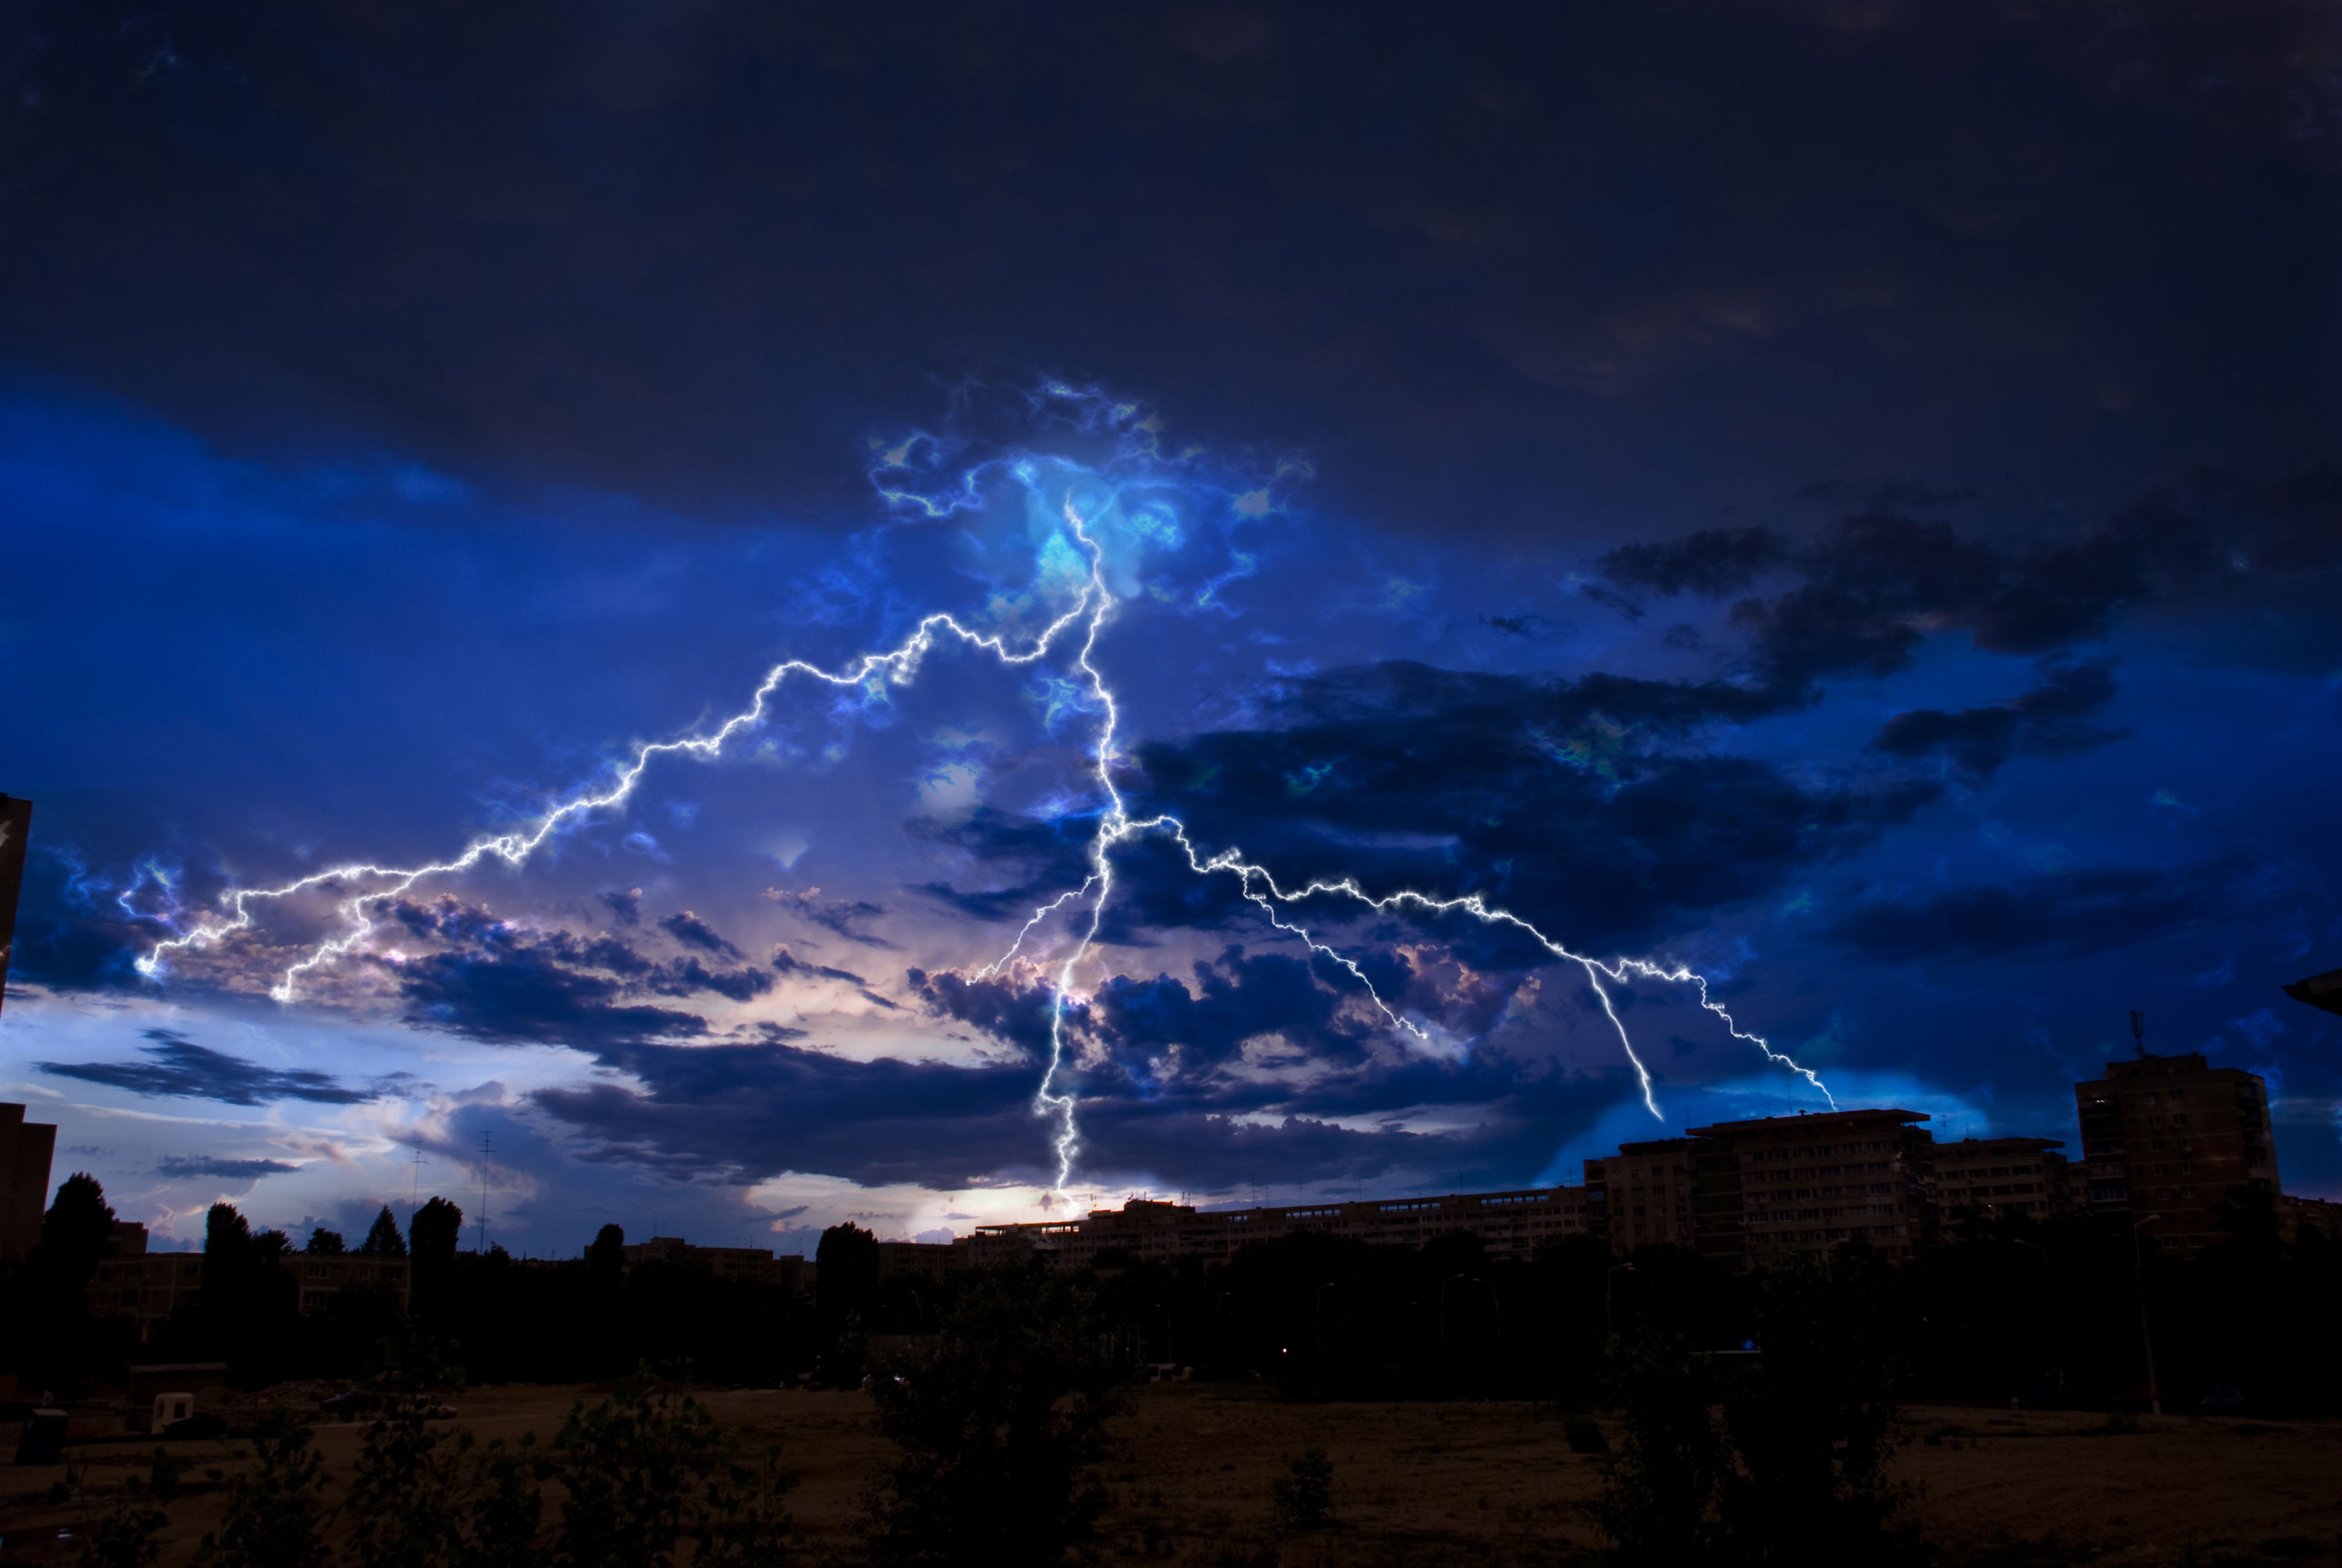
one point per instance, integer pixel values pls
(2146, 1338)
(2049, 1286)
(1609, 1291)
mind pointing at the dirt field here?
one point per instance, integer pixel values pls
(1439, 1484)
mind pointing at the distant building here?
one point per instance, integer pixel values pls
(16, 832)
(2293, 1213)
(322, 1276)
(1780, 1185)
(132, 1283)
(920, 1260)
(755, 1264)
(1641, 1196)
(2167, 1136)
(25, 1151)
(1989, 1177)
(1510, 1224)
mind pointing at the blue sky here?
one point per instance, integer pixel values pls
(1837, 578)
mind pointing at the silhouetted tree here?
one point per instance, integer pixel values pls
(77, 1230)
(325, 1242)
(846, 1296)
(383, 1240)
(432, 1235)
(609, 1255)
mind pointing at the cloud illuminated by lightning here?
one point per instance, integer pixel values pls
(1090, 611)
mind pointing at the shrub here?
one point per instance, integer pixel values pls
(1584, 1435)
(646, 1468)
(1303, 1495)
(272, 1508)
(998, 1429)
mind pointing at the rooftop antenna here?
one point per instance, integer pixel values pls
(414, 1193)
(487, 1148)
(2139, 1033)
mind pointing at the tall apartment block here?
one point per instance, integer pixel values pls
(25, 1150)
(1642, 1196)
(2167, 1136)
(1780, 1185)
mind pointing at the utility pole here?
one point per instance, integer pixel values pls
(2139, 1033)
(487, 1148)
(414, 1192)
(2146, 1338)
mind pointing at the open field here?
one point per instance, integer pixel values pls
(1453, 1483)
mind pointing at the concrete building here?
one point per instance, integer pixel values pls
(25, 1150)
(322, 1276)
(1780, 1185)
(1641, 1196)
(2319, 1214)
(133, 1283)
(756, 1264)
(1985, 1178)
(2167, 1136)
(920, 1260)
(1510, 1224)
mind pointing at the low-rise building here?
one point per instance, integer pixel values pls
(136, 1283)
(2320, 1215)
(756, 1264)
(1511, 1225)
(322, 1276)
(920, 1260)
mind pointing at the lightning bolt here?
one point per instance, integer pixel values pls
(1092, 609)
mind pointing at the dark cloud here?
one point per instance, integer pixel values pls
(503, 983)
(186, 1166)
(1564, 802)
(693, 932)
(1472, 247)
(689, 976)
(1875, 582)
(2049, 721)
(788, 963)
(1711, 563)
(1016, 1015)
(2060, 914)
(1238, 999)
(626, 906)
(180, 1067)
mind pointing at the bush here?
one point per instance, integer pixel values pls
(1303, 1495)
(272, 1508)
(645, 1468)
(1584, 1435)
(998, 1429)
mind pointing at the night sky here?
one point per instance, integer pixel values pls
(1842, 499)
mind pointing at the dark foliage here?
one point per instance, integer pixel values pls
(999, 1423)
(1303, 1495)
(383, 1239)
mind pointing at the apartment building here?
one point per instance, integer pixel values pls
(1642, 1196)
(1780, 1185)
(1510, 1224)
(2165, 1137)
(25, 1150)
(756, 1264)
(1986, 1178)
(322, 1276)
(133, 1285)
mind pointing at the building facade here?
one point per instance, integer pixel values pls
(322, 1276)
(1781, 1185)
(1986, 1178)
(132, 1283)
(25, 1150)
(755, 1264)
(1510, 1224)
(1642, 1196)
(2165, 1137)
